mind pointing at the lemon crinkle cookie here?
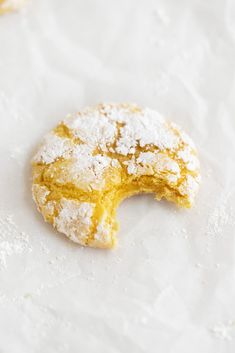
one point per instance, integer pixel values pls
(96, 158)
(10, 5)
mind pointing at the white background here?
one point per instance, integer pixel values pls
(169, 286)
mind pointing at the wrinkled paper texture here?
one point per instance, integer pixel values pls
(170, 284)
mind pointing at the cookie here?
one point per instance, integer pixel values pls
(96, 158)
(10, 5)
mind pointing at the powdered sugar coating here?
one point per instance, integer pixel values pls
(150, 163)
(189, 187)
(145, 128)
(92, 128)
(49, 208)
(97, 128)
(189, 158)
(40, 194)
(103, 232)
(52, 148)
(74, 219)
(86, 172)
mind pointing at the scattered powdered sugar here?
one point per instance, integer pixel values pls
(10, 107)
(7, 249)
(220, 216)
(17, 153)
(216, 266)
(224, 331)
(180, 233)
(162, 16)
(12, 240)
(74, 219)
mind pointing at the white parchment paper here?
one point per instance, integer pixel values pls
(170, 284)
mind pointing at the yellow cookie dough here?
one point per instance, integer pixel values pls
(10, 5)
(96, 158)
